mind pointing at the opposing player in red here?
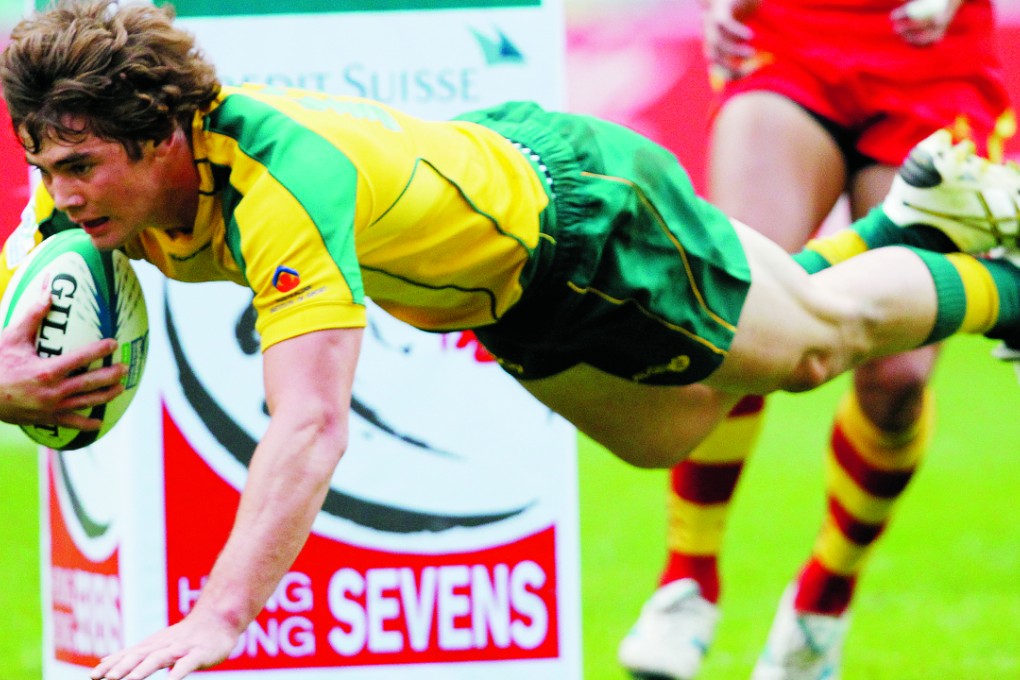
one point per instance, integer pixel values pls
(817, 101)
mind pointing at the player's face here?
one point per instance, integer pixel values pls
(109, 194)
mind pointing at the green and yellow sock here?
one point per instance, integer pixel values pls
(975, 295)
(874, 230)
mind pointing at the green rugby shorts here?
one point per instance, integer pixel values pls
(634, 275)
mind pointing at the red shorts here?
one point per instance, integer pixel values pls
(841, 61)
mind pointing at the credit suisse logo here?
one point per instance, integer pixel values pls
(461, 82)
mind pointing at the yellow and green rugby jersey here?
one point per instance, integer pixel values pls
(315, 201)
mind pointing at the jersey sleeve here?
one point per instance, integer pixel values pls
(26, 236)
(297, 253)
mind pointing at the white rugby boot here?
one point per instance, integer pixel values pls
(801, 646)
(672, 634)
(975, 202)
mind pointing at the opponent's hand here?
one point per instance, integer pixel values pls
(46, 391)
(727, 40)
(924, 22)
(199, 641)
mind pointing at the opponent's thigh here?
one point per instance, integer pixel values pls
(647, 426)
(774, 167)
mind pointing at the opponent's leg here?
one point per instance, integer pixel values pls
(701, 489)
(763, 147)
(879, 435)
(868, 467)
(677, 624)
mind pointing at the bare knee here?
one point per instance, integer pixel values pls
(890, 391)
(814, 369)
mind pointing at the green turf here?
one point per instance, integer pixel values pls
(939, 600)
(20, 625)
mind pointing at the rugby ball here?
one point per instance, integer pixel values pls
(95, 295)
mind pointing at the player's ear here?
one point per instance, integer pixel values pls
(171, 144)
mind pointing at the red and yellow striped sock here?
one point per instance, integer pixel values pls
(699, 500)
(868, 469)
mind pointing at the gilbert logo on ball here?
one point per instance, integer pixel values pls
(95, 295)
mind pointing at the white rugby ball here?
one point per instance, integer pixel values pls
(95, 295)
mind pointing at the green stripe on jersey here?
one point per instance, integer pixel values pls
(231, 197)
(218, 8)
(283, 146)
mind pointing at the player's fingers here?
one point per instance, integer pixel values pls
(116, 666)
(134, 664)
(94, 380)
(156, 660)
(921, 37)
(80, 359)
(76, 421)
(90, 398)
(25, 329)
(731, 51)
(53, 406)
(735, 31)
(185, 666)
(730, 42)
(719, 49)
(920, 24)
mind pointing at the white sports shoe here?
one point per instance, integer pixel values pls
(672, 634)
(801, 646)
(975, 202)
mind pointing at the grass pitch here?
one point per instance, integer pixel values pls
(21, 623)
(940, 598)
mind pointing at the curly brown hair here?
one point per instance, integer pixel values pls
(125, 70)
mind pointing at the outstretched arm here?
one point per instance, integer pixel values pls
(308, 388)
